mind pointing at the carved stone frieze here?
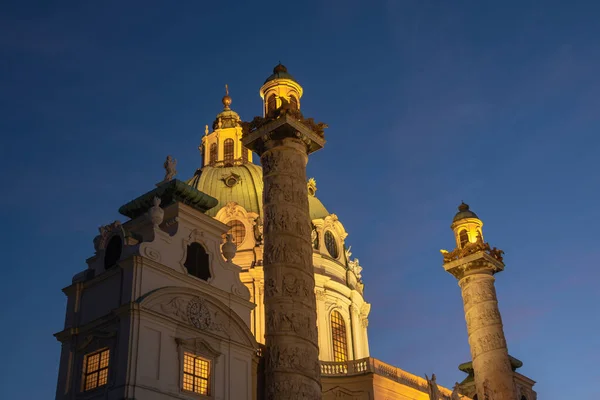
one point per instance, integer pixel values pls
(486, 315)
(277, 251)
(487, 342)
(477, 292)
(293, 389)
(194, 311)
(287, 219)
(282, 320)
(292, 358)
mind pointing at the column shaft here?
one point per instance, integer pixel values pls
(493, 372)
(292, 364)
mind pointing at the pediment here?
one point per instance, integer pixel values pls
(198, 311)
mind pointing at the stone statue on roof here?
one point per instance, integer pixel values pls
(432, 388)
(170, 171)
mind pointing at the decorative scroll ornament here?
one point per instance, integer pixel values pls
(312, 187)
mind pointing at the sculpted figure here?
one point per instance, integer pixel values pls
(432, 388)
(455, 395)
(170, 170)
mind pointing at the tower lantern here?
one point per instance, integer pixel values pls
(466, 226)
(474, 263)
(279, 88)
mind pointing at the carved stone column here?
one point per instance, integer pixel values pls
(489, 352)
(292, 368)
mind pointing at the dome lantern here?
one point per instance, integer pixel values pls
(466, 226)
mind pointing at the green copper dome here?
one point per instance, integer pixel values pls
(280, 72)
(242, 184)
(464, 212)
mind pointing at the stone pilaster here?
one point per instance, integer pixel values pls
(489, 351)
(292, 369)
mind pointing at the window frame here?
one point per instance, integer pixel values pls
(335, 243)
(85, 372)
(213, 151)
(234, 220)
(341, 325)
(228, 156)
(460, 238)
(208, 378)
(198, 347)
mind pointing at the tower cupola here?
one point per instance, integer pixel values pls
(466, 226)
(223, 146)
(279, 88)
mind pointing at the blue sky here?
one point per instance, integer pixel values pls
(428, 102)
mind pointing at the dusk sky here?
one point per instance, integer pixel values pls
(428, 103)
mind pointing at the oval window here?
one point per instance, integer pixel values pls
(331, 244)
(237, 230)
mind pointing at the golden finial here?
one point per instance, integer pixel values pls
(206, 129)
(226, 99)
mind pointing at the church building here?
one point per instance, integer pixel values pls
(178, 301)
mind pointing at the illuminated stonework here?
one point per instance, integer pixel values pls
(474, 263)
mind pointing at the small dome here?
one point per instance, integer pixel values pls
(280, 72)
(464, 212)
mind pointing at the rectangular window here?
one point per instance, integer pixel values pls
(196, 374)
(95, 369)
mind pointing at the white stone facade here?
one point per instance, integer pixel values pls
(147, 310)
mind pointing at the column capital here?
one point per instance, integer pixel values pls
(262, 130)
(476, 263)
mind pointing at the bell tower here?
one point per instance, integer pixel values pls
(279, 88)
(474, 264)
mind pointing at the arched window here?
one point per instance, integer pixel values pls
(331, 244)
(338, 333)
(228, 151)
(112, 254)
(213, 153)
(203, 151)
(294, 103)
(271, 103)
(244, 154)
(463, 236)
(238, 231)
(196, 262)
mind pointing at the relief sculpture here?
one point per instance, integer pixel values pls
(487, 342)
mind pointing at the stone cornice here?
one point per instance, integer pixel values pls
(479, 262)
(259, 131)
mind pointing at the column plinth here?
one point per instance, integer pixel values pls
(292, 369)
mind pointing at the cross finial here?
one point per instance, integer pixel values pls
(226, 90)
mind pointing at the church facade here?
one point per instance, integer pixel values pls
(172, 304)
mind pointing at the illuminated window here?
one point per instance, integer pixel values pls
(213, 153)
(196, 262)
(294, 103)
(95, 369)
(244, 154)
(463, 236)
(237, 230)
(331, 244)
(196, 374)
(271, 103)
(338, 332)
(228, 151)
